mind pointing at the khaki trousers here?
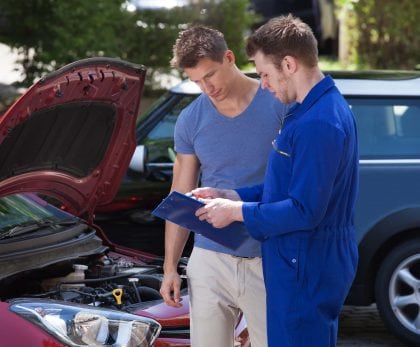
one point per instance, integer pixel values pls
(220, 287)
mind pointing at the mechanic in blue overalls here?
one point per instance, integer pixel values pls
(303, 212)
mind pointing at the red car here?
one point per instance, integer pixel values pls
(70, 139)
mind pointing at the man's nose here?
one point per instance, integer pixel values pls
(207, 87)
(264, 84)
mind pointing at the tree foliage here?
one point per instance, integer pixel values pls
(150, 35)
(155, 31)
(383, 34)
(232, 17)
(51, 33)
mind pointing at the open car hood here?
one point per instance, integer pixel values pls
(72, 134)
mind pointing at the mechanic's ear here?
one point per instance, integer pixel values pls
(289, 63)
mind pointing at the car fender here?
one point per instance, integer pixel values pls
(377, 242)
(16, 331)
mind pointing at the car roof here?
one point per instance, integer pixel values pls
(186, 87)
(352, 83)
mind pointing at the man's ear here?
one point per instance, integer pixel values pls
(289, 64)
(230, 57)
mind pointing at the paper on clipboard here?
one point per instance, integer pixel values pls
(180, 209)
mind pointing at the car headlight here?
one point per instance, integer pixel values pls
(82, 325)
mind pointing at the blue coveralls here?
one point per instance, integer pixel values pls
(304, 218)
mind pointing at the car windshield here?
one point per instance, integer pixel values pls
(151, 108)
(158, 137)
(27, 209)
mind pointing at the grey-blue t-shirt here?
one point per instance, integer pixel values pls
(232, 151)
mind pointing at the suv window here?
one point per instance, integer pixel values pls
(387, 128)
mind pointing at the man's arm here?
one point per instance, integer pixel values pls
(185, 179)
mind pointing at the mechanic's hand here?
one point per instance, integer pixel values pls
(170, 289)
(220, 212)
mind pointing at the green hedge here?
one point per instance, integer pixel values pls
(383, 34)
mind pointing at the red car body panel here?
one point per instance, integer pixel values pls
(121, 86)
(17, 332)
(169, 316)
(172, 342)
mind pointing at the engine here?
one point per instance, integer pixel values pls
(100, 281)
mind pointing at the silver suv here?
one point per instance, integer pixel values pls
(387, 110)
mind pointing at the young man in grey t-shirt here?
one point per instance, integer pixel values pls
(222, 138)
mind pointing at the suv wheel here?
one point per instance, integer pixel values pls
(397, 291)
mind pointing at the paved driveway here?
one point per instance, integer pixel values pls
(362, 327)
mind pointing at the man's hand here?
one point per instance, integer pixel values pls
(220, 212)
(170, 289)
(213, 193)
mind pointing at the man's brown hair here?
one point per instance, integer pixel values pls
(284, 35)
(196, 43)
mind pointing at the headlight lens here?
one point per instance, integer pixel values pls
(81, 325)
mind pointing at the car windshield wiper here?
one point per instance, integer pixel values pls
(29, 227)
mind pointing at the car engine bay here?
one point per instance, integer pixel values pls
(106, 280)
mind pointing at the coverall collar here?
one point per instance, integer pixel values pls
(314, 94)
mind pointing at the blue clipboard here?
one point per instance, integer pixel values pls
(180, 209)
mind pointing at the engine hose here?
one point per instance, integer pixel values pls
(95, 280)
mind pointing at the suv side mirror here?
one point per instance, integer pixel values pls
(139, 159)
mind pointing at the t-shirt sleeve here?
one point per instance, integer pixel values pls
(182, 139)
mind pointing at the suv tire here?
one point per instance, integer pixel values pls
(397, 291)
